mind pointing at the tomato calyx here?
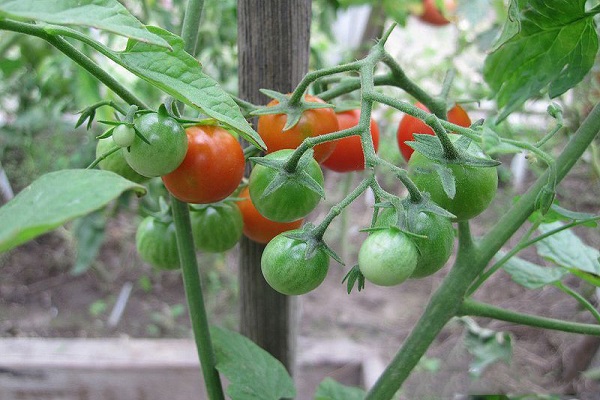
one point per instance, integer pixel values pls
(354, 278)
(313, 238)
(292, 109)
(298, 175)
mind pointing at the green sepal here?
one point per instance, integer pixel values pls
(426, 206)
(293, 112)
(445, 174)
(140, 135)
(107, 133)
(354, 277)
(431, 147)
(299, 175)
(313, 242)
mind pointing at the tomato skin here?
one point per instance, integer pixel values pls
(286, 269)
(387, 257)
(123, 135)
(314, 122)
(289, 202)
(217, 227)
(156, 242)
(348, 153)
(435, 249)
(212, 169)
(256, 226)
(116, 161)
(166, 150)
(432, 15)
(475, 186)
(410, 125)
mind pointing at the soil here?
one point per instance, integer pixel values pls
(39, 297)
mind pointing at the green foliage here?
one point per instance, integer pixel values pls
(56, 198)
(329, 389)
(252, 372)
(555, 42)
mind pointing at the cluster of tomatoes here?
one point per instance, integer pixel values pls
(204, 166)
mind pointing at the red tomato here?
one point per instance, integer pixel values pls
(212, 169)
(314, 122)
(410, 125)
(348, 153)
(257, 227)
(432, 15)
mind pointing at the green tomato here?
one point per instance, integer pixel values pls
(286, 268)
(156, 242)
(435, 249)
(475, 186)
(387, 257)
(123, 135)
(291, 201)
(167, 148)
(116, 161)
(217, 227)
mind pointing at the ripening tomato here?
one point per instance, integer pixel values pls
(256, 226)
(212, 169)
(433, 15)
(410, 125)
(348, 154)
(314, 122)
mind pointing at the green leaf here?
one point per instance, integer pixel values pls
(252, 372)
(486, 346)
(89, 233)
(548, 44)
(108, 15)
(329, 389)
(530, 275)
(567, 250)
(56, 198)
(180, 75)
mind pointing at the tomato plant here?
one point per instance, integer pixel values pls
(212, 169)
(116, 161)
(216, 227)
(256, 226)
(387, 257)
(432, 14)
(437, 245)
(156, 243)
(348, 153)
(410, 125)
(166, 147)
(292, 200)
(287, 268)
(313, 122)
(475, 186)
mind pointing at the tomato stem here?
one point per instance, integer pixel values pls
(194, 297)
(475, 308)
(450, 151)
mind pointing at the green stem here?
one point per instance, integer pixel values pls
(448, 79)
(413, 191)
(84, 61)
(450, 151)
(195, 300)
(191, 21)
(349, 85)
(336, 210)
(103, 156)
(586, 304)
(475, 308)
(346, 185)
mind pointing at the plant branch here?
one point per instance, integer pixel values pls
(195, 300)
(477, 309)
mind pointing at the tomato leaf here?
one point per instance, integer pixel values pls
(329, 389)
(107, 15)
(180, 75)
(56, 198)
(89, 232)
(486, 346)
(567, 250)
(549, 44)
(253, 373)
(530, 275)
